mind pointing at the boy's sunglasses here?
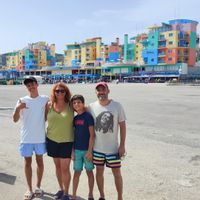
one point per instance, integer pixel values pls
(60, 91)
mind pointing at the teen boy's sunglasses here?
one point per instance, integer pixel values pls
(60, 91)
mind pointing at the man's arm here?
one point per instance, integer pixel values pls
(122, 126)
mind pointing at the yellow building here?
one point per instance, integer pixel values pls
(20, 65)
(72, 55)
(85, 54)
(138, 53)
(90, 51)
(12, 60)
(104, 53)
(42, 58)
(171, 38)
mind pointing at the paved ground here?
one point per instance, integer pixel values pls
(163, 143)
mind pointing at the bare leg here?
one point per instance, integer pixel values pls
(66, 175)
(100, 180)
(118, 182)
(90, 182)
(40, 169)
(75, 183)
(58, 172)
(28, 172)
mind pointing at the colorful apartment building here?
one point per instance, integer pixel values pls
(104, 53)
(85, 54)
(12, 60)
(115, 51)
(91, 52)
(39, 55)
(166, 50)
(169, 48)
(72, 55)
(3, 61)
(171, 43)
(21, 62)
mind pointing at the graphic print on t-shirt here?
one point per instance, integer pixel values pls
(79, 122)
(104, 122)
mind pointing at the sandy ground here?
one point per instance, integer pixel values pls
(163, 143)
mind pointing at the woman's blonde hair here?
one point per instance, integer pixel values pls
(67, 92)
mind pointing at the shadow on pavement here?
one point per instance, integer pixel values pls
(6, 178)
(49, 196)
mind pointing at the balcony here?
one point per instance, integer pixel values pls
(183, 54)
(161, 39)
(184, 45)
(162, 47)
(161, 54)
(184, 37)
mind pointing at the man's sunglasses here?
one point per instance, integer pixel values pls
(60, 91)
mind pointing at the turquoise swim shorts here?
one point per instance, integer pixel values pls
(80, 160)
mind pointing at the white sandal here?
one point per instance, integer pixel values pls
(28, 195)
(38, 192)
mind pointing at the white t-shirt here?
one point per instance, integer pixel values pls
(33, 119)
(107, 120)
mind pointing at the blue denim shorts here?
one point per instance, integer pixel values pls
(27, 149)
(80, 160)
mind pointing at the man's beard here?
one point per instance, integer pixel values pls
(102, 97)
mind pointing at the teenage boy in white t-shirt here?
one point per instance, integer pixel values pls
(31, 110)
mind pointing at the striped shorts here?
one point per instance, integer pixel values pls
(111, 160)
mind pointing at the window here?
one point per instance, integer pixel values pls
(170, 34)
(169, 50)
(152, 60)
(170, 42)
(169, 59)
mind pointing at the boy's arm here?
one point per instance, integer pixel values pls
(19, 107)
(16, 114)
(91, 143)
(122, 126)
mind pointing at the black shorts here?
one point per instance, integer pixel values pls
(59, 150)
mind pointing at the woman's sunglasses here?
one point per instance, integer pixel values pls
(60, 91)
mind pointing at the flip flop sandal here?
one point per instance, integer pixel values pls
(28, 195)
(38, 192)
(58, 194)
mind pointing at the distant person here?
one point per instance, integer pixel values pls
(109, 117)
(60, 136)
(83, 144)
(31, 110)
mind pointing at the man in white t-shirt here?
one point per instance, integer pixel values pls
(31, 110)
(109, 117)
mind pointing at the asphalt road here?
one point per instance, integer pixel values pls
(163, 143)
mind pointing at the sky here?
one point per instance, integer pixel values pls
(62, 22)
